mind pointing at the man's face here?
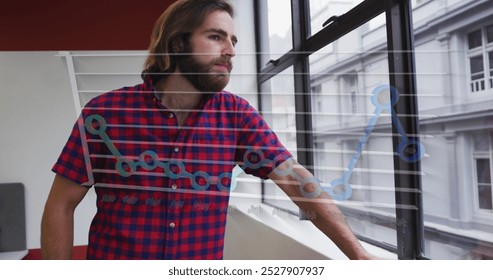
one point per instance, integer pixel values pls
(211, 48)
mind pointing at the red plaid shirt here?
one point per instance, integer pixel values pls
(163, 190)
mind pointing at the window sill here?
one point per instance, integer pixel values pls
(302, 232)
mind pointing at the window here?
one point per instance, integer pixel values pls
(342, 125)
(489, 34)
(278, 38)
(480, 53)
(483, 156)
(483, 167)
(490, 55)
(475, 39)
(356, 154)
(420, 178)
(278, 110)
(322, 10)
(456, 164)
(351, 88)
(477, 74)
(317, 98)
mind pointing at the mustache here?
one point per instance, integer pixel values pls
(225, 60)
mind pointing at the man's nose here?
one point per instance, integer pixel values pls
(229, 49)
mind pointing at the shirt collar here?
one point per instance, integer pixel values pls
(149, 87)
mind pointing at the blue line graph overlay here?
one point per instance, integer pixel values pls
(339, 188)
(149, 160)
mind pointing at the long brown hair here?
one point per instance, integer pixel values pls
(172, 30)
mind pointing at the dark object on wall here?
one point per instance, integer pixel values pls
(12, 218)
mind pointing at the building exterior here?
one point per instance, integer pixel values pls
(353, 128)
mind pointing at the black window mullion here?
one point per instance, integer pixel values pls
(261, 35)
(300, 13)
(344, 24)
(409, 226)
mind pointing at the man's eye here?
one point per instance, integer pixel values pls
(215, 37)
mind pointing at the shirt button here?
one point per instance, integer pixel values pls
(172, 225)
(177, 150)
(171, 115)
(174, 186)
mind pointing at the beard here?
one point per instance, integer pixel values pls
(202, 75)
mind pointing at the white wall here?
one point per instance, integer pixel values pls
(37, 112)
(36, 115)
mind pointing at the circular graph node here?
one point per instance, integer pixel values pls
(384, 97)
(339, 189)
(197, 176)
(171, 169)
(311, 194)
(411, 150)
(149, 160)
(286, 171)
(95, 120)
(253, 159)
(223, 187)
(125, 167)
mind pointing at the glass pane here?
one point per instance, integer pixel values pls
(481, 142)
(353, 132)
(454, 134)
(484, 197)
(279, 39)
(489, 33)
(483, 166)
(322, 10)
(475, 39)
(477, 68)
(491, 69)
(278, 110)
(490, 55)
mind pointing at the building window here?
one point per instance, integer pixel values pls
(477, 74)
(351, 89)
(490, 55)
(483, 167)
(480, 55)
(483, 156)
(317, 99)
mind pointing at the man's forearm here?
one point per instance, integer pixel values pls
(325, 214)
(327, 217)
(57, 231)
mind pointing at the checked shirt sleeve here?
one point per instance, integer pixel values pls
(259, 150)
(74, 162)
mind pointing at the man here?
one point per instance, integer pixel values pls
(160, 154)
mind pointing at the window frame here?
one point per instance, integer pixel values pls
(478, 185)
(483, 155)
(351, 86)
(484, 50)
(409, 229)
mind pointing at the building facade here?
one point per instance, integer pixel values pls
(352, 126)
